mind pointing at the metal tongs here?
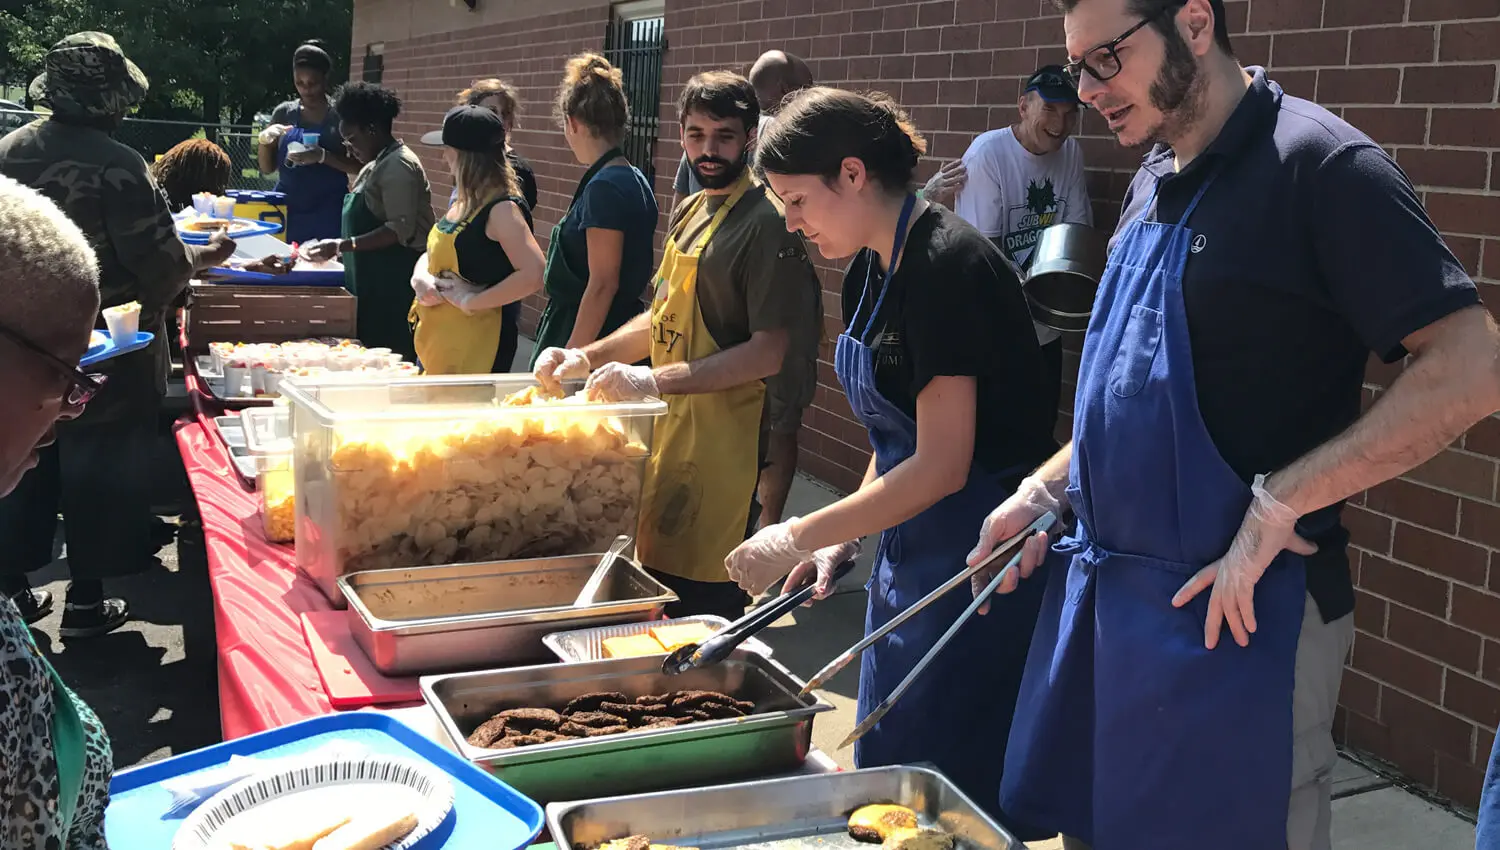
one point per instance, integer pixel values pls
(718, 647)
(1011, 547)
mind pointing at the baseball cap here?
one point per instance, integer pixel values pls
(469, 128)
(1051, 82)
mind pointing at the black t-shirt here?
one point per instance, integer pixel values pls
(526, 176)
(1311, 251)
(955, 309)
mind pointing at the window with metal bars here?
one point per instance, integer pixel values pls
(635, 45)
(374, 66)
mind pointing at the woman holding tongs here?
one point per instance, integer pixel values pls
(940, 363)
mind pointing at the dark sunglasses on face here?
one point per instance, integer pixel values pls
(1102, 62)
(81, 387)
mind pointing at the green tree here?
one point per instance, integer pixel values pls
(208, 60)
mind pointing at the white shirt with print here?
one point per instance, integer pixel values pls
(1012, 195)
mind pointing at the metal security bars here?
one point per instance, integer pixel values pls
(636, 46)
(374, 64)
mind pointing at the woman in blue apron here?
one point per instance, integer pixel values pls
(315, 178)
(941, 365)
(1103, 748)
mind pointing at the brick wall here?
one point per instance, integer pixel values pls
(1420, 76)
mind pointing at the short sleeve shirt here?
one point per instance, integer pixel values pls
(290, 113)
(956, 310)
(618, 198)
(1311, 251)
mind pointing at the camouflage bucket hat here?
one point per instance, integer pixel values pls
(86, 74)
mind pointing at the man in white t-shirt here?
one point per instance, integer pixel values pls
(1016, 181)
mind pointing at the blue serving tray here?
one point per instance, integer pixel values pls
(257, 228)
(319, 277)
(108, 350)
(486, 812)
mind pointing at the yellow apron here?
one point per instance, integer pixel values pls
(448, 340)
(698, 483)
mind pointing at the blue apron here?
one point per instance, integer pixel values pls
(1487, 836)
(314, 193)
(1131, 734)
(957, 714)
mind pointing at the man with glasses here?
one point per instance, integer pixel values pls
(98, 475)
(1014, 182)
(1265, 249)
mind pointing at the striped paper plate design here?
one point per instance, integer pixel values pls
(360, 783)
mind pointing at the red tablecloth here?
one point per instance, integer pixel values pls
(266, 672)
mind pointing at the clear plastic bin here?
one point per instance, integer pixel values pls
(422, 471)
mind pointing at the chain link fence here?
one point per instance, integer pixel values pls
(152, 138)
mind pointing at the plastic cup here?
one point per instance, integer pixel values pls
(123, 325)
(311, 139)
(224, 207)
(272, 382)
(203, 203)
(236, 374)
(258, 374)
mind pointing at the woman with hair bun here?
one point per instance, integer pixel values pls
(940, 363)
(600, 255)
(314, 178)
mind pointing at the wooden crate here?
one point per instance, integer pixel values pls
(239, 313)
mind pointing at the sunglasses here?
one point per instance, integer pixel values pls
(1102, 62)
(81, 387)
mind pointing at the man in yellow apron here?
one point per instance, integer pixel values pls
(731, 290)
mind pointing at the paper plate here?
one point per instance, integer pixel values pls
(375, 783)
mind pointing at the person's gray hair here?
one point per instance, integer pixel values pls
(49, 277)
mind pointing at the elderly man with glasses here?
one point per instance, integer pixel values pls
(98, 474)
(1265, 249)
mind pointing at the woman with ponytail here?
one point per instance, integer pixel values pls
(600, 255)
(940, 363)
(314, 177)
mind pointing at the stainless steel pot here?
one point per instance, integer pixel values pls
(1066, 266)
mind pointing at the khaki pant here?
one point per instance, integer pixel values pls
(1321, 650)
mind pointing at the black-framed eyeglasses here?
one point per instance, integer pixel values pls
(82, 387)
(1102, 62)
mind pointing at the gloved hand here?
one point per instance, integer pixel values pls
(620, 382)
(320, 250)
(1031, 500)
(1268, 528)
(824, 562)
(425, 287)
(947, 182)
(273, 133)
(310, 156)
(459, 292)
(757, 563)
(555, 365)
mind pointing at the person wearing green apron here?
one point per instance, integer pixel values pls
(600, 255)
(385, 221)
(480, 256)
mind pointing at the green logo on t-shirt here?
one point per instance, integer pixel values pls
(1040, 212)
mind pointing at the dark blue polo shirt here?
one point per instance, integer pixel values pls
(1311, 250)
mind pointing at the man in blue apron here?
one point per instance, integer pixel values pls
(1265, 249)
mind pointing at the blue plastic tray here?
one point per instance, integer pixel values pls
(108, 350)
(486, 812)
(320, 277)
(257, 228)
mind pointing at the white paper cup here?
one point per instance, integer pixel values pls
(123, 325)
(258, 374)
(272, 382)
(235, 377)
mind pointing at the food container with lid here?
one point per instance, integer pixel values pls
(397, 471)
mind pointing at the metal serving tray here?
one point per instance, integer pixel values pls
(463, 616)
(588, 644)
(796, 813)
(776, 738)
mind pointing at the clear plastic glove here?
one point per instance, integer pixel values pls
(946, 183)
(425, 287)
(459, 292)
(824, 562)
(272, 134)
(309, 156)
(321, 250)
(1268, 528)
(614, 382)
(757, 563)
(1030, 501)
(555, 365)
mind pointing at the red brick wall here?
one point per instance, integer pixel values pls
(1420, 76)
